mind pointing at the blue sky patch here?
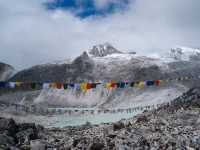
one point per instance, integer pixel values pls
(86, 8)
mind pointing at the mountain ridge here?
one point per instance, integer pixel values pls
(109, 65)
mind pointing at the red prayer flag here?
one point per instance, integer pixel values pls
(157, 82)
(89, 86)
(59, 85)
(113, 85)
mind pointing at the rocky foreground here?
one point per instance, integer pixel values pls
(173, 126)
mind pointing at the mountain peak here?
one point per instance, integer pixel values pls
(102, 50)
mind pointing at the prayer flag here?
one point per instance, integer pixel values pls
(132, 84)
(83, 86)
(157, 82)
(149, 83)
(77, 86)
(72, 85)
(11, 85)
(89, 86)
(2, 84)
(108, 85)
(18, 84)
(65, 85)
(45, 85)
(93, 85)
(33, 85)
(53, 85)
(59, 85)
(113, 85)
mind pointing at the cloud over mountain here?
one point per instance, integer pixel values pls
(32, 34)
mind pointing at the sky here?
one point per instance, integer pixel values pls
(39, 31)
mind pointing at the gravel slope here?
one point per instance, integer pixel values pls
(172, 126)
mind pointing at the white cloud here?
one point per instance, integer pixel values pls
(29, 34)
(102, 4)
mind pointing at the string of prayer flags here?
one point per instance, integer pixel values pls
(87, 86)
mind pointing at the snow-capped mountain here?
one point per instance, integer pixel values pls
(182, 54)
(104, 63)
(6, 71)
(102, 50)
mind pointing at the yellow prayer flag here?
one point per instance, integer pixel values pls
(18, 84)
(83, 86)
(53, 85)
(108, 85)
(141, 84)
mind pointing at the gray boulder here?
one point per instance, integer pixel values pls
(8, 125)
(26, 135)
(6, 140)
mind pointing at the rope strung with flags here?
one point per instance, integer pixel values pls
(84, 111)
(73, 111)
(88, 85)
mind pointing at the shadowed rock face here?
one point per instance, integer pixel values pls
(20, 135)
(79, 69)
(41, 73)
(6, 71)
(83, 68)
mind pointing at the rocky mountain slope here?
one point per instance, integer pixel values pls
(101, 63)
(175, 125)
(6, 71)
(104, 63)
(79, 69)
